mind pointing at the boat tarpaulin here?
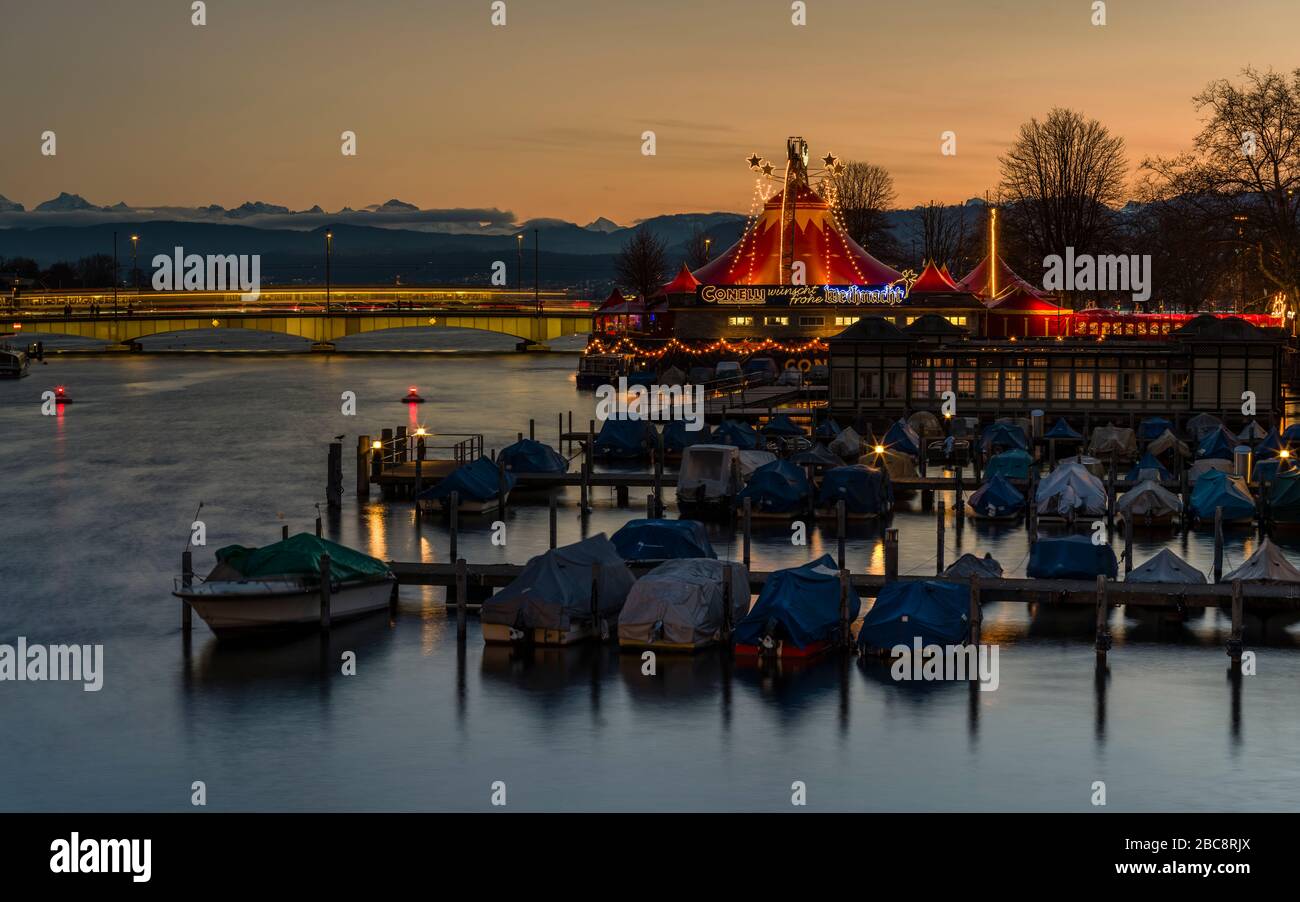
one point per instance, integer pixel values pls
(897, 464)
(1270, 468)
(847, 445)
(800, 605)
(1208, 465)
(1167, 441)
(1149, 468)
(528, 456)
(625, 439)
(1003, 436)
(1070, 557)
(1119, 440)
(554, 589)
(737, 434)
(1063, 430)
(925, 424)
(902, 438)
(1071, 488)
(826, 430)
(864, 490)
(477, 480)
(662, 540)
(300, 555)
(997, 498)
(706, 473)
(1271, 444)
(1013, 464)
(935, 611)
(818, 456)
(1267, 565)
(1284, 496)
(1148, 499)
(1202, 423)
(779, 487)
(681, 602)
(781, 425)
(1153, 428)
(1252, 433)
(750, 461)
(1216, 444)
(1091, 464)
(1166, 567)
(677, 437)
(1215, 488)
(969, 565)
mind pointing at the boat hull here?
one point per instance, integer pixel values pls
(246, 613)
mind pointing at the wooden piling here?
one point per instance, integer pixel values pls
(840, 515)
(748, 513)
(187, 580)
(453, 530)
(419, 470)
(727, 601)
(659, 473)
(320, 533)
(650, 506)
(532, 429)
(284, 531)
(559, 432)
(326, 588)
(595, 601)
(959, 506)
(502, 492)
(939, 546)
(1102, 642)
(976, 611)
(462, 598)
(846, 635)
(554, 526)
(1110, 495)
(386, 452)
(1128, 545)
(1218, 544)
(363, 466)
(1051, 453)
(334, 479)
(621, 495)
(1234, 638)
(570, 431)
(891, 554)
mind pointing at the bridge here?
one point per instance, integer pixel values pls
(305, 313)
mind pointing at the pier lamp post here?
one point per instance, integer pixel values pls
(519, 262)
(708, 242)
(135, 273)
(329, 249)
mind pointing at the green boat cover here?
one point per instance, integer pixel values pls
(300, 556)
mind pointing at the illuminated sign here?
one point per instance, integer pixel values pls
(802, 295)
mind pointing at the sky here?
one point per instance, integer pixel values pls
(544, 116)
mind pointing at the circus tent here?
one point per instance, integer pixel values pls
(933, 279)
(682, 283)
(992, 278)
(1023, 313)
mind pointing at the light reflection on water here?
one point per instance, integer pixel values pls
(98, 506)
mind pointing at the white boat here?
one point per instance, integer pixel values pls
(13, 363)
(240, 599)
(710, 477)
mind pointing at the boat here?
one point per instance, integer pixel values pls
(1166, 567)
(1284, 498)
(1069, 493)
(1165, 443)
(1216, 444)
(528, 457)
(679, 605)
(678, 436)
(826, 430)
(1071, 557)
(1117, 440)
(557, 600)
(847, 446)
(1252, 433)
(926, 425)
(708, 479)
(1002, 437)
(1091, 464)
(931, 612)
(737, 433)
(1152, 428)
(1063, 432)
(1208, 465)
(902, 439)
(952, 451)
(652, 541)
(818, 457)
(480, 486)
(1271, 446)
(777, 490)
(997, 499)
(1202, 423)
(278, 587)
(1149, 468)
(595, 370)
(865, 491)
(797, 615)
(898, 464)
(14, 364)
(969, 565)
(1013, 464)
(1267, 565)
(1215, 489)
(1149, 504)
(625, 439)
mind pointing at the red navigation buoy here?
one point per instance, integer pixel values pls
(412, 396)
(61, 395)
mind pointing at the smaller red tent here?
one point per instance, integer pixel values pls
(979, 282)
(682, 283)
(932, 279)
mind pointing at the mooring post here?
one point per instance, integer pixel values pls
(570, 433)
(840, 515)
(284, 531)
(659, 473)
(1234, 638)
(363, 466)
(334, 484)
(1182, 491)
(453, 530)
(554, 531)
(502, 492)
(376, 464)
(399, 446)
(1128, 544)
(846, 636)
(959, 507)
(1218, 544)
(1102, 643)
(462, 595)
(532, 429)
(976, 612)
(1262, 508)
(1110, 495)
(187, 580)
(325, 589)
(727, 601)
(748, 513)
(320, 534)
(1051, 453)
(386, 452)
(559, 432)
(891, 554)
(595, 601)
(939, 546)
(419, 470)
(925, 458)
(650, 506)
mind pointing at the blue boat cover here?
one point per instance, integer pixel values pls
(932, 610)
(781, 424)
(662, 540)
(528, 456)
(1292, 434)
(902, 438)
(1003, 435)
(818, 455)
(827, 430)
(678, 438)
(801, 606)
(1271, 444)
(1153, 428)
(1012, 464)
(1215, 488)
(779, 487)
(1149, 462)
(642, 377)
(737, 434)
(1284, 496)
(625, 438)
(1217, 444)
(476, 480)
(1062, 429)
(764, 367)
(997, 498)
(1268, 469)
(1070, 557)
(865, 490)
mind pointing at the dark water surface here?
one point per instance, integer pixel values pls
(98, 501)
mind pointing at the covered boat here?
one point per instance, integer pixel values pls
(865, 491)
(1153, 427)
(678, 436)
(817, 456)
(781, 426)
(625, 439)
(1168, 444)
(902, 438)
(1063, 431)
(644, 540)
(1013, 464)
(935, 612)
(969, 565)
(847, 445)
(1284, 497)
(1166, 567)
(1071, 557)
(898, 464)
(1216, 444)
(1252, 433)
(826, 430)
(1071, 492)
(478, 485)
(798, 613)
(1202, 423)
(1003, 437)
(1091, 464)
(925, 424)
(997, 499)
(278, 587)
(738, 434)
(708, 477)
(1216, 488)
(1208, 465)
(1269, 469)
(1149, 503)
(1149, 468)
(1271, 444)
(777, 489)
(528, 456)
(678, 606)
(1267, 565)
(551, 602)
(751, 461)
(1118, 440)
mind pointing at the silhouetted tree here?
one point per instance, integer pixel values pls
(697, 249)
(864, 192)
(945, 234)
(642, 263)
(95, 271)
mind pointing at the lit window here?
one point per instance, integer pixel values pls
(1037, 385)
(1012, 385)
(1083, 386)
(920, 383)
(776, 320)
(966, 384)
(740, 321)
(989, 385)
(957, 320)
(846, 320)
(1108, 386)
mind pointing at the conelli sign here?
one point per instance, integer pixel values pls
(800, 295)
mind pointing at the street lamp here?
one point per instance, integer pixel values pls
(519, 262)
(329, 248)
(135, 273)
(707, 243)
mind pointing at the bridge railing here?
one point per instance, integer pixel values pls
(402, 447)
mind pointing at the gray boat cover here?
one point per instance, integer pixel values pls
(1209, 463)
(847, 445)
(1166, 567)
(969, 564)
(1148, 497)
(680, 601)
(707, 466)
(1267, 565)
(1070, 487)
(1201, 425)
(672, 376)
(897, 464)
(1164, 442)
(1120, 439)
(554, 588)
(1091, 464)
(925, 424)
(1252, 433)
(751, 461)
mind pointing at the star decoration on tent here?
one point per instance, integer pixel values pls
(829, 160)
(754, 160)
(767, 168)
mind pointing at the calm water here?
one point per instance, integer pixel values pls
(97, 505)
